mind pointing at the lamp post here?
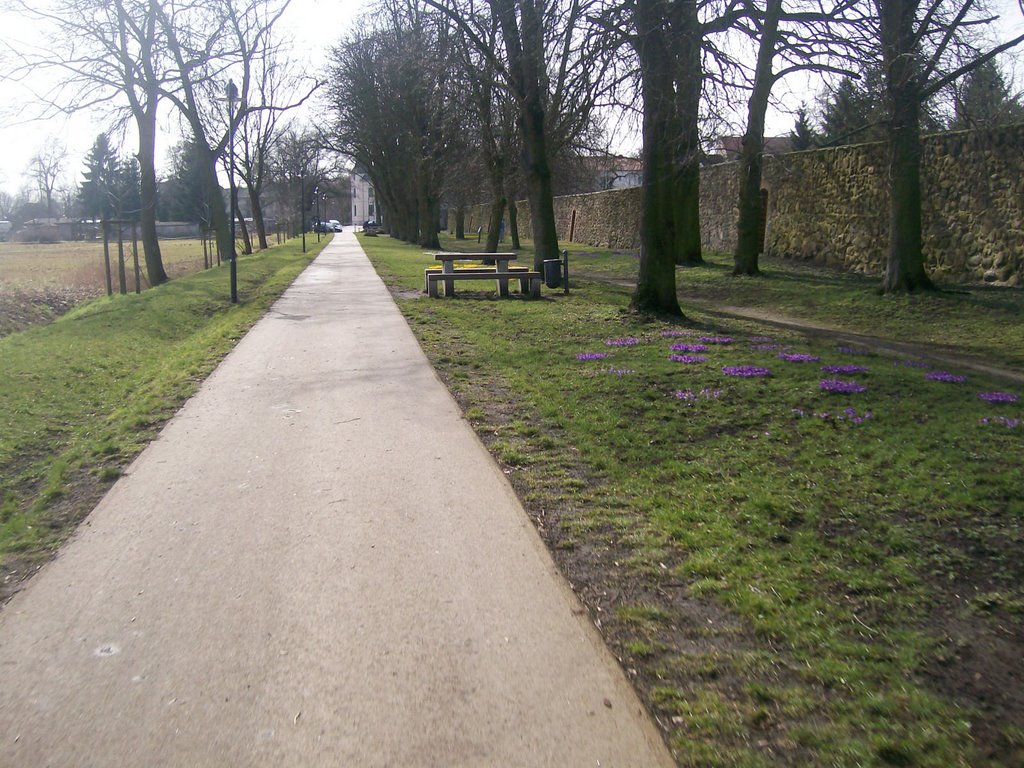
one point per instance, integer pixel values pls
(316, 199)
(232, 94)
(302, 206)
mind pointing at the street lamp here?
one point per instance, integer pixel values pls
(232, 94)
(316, 199)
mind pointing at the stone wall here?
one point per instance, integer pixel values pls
(830, 206)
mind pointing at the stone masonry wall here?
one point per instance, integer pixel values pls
(830, 206)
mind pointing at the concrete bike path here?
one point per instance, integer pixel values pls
(315, 564)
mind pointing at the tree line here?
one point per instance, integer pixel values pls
(466, 100)
(132, 58)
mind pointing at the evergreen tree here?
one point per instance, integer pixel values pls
(983, 98)
(854, 112)
(183, 194)
(804, 136)
(94, 194)
(126, 189)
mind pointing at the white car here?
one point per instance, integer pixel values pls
(334, 224)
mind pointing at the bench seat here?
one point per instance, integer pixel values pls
(476, 269)
(529, 281)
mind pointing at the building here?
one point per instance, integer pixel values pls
(364, 199)
(615, 172)
(731, 146)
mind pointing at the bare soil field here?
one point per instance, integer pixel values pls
(39, 282)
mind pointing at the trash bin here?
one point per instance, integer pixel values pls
(553, 273)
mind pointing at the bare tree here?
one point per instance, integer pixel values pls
(394, 100)
(209, 44)
(545, 57)
(102, 55)
(45, 169)
(803, 37)
(926, 45)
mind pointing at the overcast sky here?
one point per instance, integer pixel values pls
(315, 25)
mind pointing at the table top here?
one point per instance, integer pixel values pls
(455, 256)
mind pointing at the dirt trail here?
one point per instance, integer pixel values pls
(940, 354)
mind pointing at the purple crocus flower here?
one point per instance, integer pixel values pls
(746, 371)
(841, 386)
(689, 348)
(794, 357)
(950, 378)
(687, 358)
(591, 355)
(716, 339)
(998, 397)
(629, 341)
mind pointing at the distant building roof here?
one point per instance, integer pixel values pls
(773, 145)
(615, 163)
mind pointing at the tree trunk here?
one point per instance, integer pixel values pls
(748, 223)
(494, 225)
(155, 272)
(513, 225)
(538, 184)
(904, 271)
(257, 218)
(524, 49)
(689, 83)
(460, 222)
(656, 284)
(219, 220)
(427, 234)
(246, 240)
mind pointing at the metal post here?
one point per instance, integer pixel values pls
(106, 259)
(232, 95)
(302, 206)
(565, 269)
(135, 258)
(316, 199)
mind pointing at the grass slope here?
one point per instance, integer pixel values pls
(791, 576)
(81, 397)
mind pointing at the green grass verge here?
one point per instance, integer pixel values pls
(983, 321)
(80, 397)
(797, 577)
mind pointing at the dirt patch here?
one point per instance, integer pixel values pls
(21, 309)
(82, 492)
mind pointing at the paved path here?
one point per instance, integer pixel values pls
(315, 564)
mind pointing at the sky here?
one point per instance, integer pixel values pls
(314, 25)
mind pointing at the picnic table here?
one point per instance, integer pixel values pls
(501, 271)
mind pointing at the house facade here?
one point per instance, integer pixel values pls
(364, 198)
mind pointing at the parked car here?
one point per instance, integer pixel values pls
(322, 226)
(334, 224)
(371, 228)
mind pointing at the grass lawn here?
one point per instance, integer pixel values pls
(790, 575)
(985, 322)
(80, 397)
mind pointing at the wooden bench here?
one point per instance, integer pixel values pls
(486, 271)
(502, 272)
(528, 281)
